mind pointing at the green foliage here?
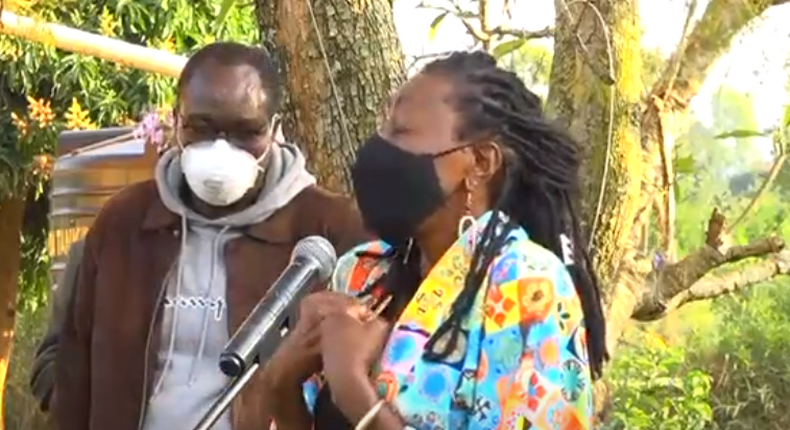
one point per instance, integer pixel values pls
(742, 133)
(653, 389)
(507, 47)
(111, 94)
(21, 409)
(745, 349)
(34, 277)
(748, 359)
(435, 24)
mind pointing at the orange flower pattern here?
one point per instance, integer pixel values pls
(521, 361)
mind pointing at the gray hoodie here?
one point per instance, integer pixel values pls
(195, 324)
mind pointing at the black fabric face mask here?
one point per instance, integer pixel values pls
(396, 190)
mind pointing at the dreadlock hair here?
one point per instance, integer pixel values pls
(536, 190)
(232, 54)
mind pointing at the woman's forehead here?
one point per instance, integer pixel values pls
(425, 99)
(424, 88)
(421, 116)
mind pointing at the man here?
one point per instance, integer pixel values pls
(173, 266)
(42, 378)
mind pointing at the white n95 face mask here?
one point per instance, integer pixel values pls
(219, 173)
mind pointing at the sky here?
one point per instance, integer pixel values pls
(754, 65)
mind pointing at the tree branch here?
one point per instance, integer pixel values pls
(769, 180)
(666, 207)
(666, 283)
(484, 33)
(708, 41)
(522, 34)
(717, 285)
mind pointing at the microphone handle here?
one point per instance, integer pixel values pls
(259, 335)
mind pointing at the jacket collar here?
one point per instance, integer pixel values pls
(279, 228)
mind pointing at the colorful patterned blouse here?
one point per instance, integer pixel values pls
(522, 359)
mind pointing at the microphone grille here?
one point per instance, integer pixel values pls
(319, 250)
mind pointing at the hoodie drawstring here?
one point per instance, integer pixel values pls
(179, 281)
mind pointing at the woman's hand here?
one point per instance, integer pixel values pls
(299, 356)
(350, 346)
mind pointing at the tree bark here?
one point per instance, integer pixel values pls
(12, 212)
(595, 89)
(341, 60)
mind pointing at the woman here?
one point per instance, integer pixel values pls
(491, 318)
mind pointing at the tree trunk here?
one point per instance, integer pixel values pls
(595, 93)
(341, 60)
(12, 213)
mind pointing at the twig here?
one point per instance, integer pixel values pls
(715, 229)
(664, 111)
(523, 34)
(674, 66)
(772, 175)
(477, 35)
(417, 58)
(482, 8)
(486, 34)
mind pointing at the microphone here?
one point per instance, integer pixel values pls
(312, 261)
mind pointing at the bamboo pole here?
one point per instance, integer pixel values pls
(91, 44)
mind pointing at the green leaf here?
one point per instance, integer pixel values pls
(742, 134)
(505, 48)
(786, 120)
(435, 25)
(224, 11)
(685, 165)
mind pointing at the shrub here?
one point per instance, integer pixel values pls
(749, 359)
(653, 389)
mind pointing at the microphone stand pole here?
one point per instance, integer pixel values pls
(224, 399)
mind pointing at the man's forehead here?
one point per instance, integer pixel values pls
(224, 91)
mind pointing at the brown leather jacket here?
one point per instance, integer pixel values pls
(106, 360)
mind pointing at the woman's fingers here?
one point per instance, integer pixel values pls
(323, 304)
(359, 311)
(311, 338)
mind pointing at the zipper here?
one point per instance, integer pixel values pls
(146, 362)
